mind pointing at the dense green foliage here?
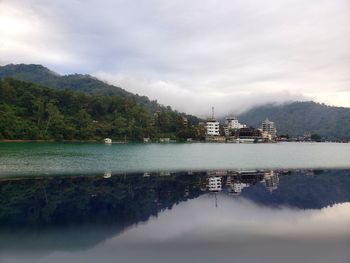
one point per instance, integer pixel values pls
(30, 111)
(297, 118)
(78, 82)
(316, 137)
(41, 75)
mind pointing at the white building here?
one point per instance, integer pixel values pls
(233, 123)
(214, 184)
(269, 127)
(213, 128)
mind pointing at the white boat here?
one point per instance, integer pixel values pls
(107, 175)
(108, 141)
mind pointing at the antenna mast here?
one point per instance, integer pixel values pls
(212, 112)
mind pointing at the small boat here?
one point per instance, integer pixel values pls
(107, 175)
(108, 141)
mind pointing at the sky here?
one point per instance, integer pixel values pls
(191, 55)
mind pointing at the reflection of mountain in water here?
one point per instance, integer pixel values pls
(135, 197)
(67, 200)
(304, 189)
(113, 202)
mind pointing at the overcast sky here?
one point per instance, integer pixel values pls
(232, 54)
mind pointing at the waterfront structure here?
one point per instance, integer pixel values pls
(266, 136)
(215, 139)
(213, 126)
(248, 134)
(232, 123)
(269, 127)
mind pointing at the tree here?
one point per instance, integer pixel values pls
(315, 137)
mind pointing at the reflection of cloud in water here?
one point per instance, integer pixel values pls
(199, 221)
(237, 230)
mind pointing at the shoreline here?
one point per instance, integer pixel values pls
(119, 142)
(27, 140)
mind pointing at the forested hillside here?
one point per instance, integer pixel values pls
(30, 111)
(332, 123)
(43, 76)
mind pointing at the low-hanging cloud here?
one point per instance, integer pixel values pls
(190, 55)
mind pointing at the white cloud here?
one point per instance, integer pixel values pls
(190, 55)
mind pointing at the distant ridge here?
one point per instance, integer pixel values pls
(78, 82)
(296, 118)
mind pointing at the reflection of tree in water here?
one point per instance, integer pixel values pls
(77, 200)
(132, 198)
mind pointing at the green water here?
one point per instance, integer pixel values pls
(85, 158)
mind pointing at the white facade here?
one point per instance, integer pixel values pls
(214, 184)
(232, 123)
(269, 127)
(213, 128)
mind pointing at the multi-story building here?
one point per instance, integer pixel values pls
(232, 123)
(213, 128)
(269, 127)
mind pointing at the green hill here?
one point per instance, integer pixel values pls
(30, 111)
(85, 83)
(332, 123)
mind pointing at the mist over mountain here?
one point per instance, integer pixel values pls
(296, 118)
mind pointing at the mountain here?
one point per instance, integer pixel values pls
(30, 111)
(294, 119)
(85, 83)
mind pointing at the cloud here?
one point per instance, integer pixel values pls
(190, 55)
(194, 101)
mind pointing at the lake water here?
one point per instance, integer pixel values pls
(287, 202)
(77, 158)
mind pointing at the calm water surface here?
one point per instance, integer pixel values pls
(257, 216)
(81, 202)
(70, 158)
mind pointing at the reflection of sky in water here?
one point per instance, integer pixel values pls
(256, 216)
(236, 230)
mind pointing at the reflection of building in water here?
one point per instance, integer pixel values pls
(214, 184)
(107, 175)
(271, 180)
(237, 187)
(164, 173)
(235, 181)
